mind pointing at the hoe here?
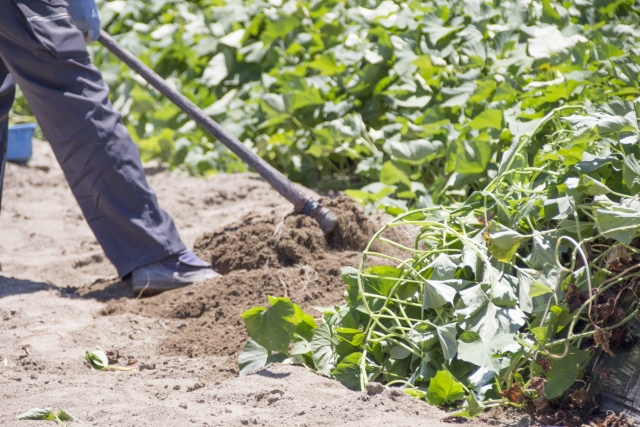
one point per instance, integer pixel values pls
(303, 203)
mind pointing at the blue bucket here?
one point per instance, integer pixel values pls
(19, 149)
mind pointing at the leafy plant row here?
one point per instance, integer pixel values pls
(503, 299)
(406, 103)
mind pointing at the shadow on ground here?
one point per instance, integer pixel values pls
(10, 286)
(100, 290)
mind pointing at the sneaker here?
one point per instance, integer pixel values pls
(176, 271)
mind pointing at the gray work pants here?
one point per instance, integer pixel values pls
(46, 55)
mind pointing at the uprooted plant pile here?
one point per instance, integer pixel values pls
(502, 300)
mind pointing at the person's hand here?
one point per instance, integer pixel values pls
(86, 17)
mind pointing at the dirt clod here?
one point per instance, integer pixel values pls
(374, 388)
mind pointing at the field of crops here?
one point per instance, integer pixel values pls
(502, 136)
(408, 104)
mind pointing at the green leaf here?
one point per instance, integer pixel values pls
(484, 91)
(304, 98)
(436, 294)
(423, 335)
(415, 152)
(279, 28)
(504, 92)
(444, 388)
(593, 187)
(538, 289)
(275, 102)
(348, 371)
(326, 65)
(631, 173)
(447, 337)
(472, 156)
(541, 333)
(487, 119)
(502, 241)
(384, 282)
(443, 268)
(472, 348)
(436, 30)
(548, 41)
(272, 328)
(483, 316)
(216, 71)
(323, 347)
(398, 352)
(618, 223)
(254, 356)
(543, 252)
(412, 101)
(458, 95)
(350, 277)
(390, 174)
(564, 371)
(473, 407)
(305, 323)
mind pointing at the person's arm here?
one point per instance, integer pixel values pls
(86, 17)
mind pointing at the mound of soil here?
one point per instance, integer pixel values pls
(276, 254)
(285, 239)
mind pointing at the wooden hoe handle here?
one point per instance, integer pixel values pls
(302, 203)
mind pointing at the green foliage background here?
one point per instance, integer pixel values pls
(410, 100)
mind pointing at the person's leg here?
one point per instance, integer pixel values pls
(7, 93)
(48, 59)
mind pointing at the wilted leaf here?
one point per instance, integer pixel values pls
(605, 375)
(543, 362)
(537, 384)
(601, 337)
(513, 394)
(65, 416)
(98, 360)
(48, 415)
(579, 397)
(39, 414)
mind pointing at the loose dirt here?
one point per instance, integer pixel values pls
(277, 253)
(59, 296)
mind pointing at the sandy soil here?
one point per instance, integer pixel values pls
(59, 296)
